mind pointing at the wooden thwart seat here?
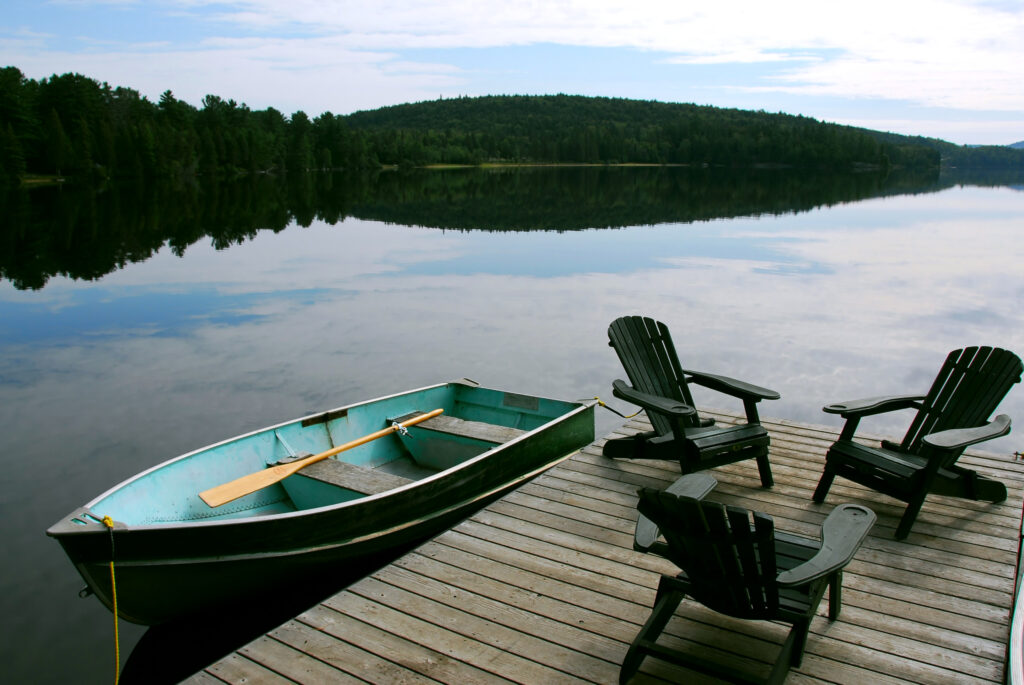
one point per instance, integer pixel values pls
(474, 430)
(359, 479)
(445, 441)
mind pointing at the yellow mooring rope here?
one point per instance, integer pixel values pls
(113, 591)
(601, 403)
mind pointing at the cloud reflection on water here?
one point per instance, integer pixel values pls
(854, 300)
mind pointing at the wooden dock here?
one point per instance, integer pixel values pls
(543, 587)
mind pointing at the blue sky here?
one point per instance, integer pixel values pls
(952, 69)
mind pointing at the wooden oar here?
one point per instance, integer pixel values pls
(232, 490)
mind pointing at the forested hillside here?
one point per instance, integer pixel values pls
(568, 129)
(71, 125)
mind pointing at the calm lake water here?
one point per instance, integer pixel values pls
(140, 323)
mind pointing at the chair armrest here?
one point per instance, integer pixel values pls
(695, 485)
(873, 405)
(731, 386)
(841, 535)
(661, 405)
(959, 438)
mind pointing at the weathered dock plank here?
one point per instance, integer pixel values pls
(543, 586)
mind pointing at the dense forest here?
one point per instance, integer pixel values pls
(565, 128)
(71, 125)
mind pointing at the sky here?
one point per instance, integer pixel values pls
(949, 69)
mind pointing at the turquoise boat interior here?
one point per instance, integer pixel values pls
(474, 420)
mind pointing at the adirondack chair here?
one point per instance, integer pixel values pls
(951, 417)
(744, 570)
(660, 387)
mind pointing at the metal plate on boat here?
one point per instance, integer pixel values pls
(511, 399)
(325, 417)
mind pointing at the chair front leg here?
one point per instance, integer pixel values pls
(910, 515)
(800, 630)
(919, 489)
(765, 470)
(824, 484)
(668, 598)
(835, 595)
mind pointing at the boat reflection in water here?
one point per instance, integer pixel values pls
(174, 651)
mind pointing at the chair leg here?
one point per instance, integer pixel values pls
(835, 595)
(909, 516)
(986, 489)
(666, 601)
(824, 484)
(631, 664)
(799, 634)
(765, 469)
(790, 654)
(979, 488)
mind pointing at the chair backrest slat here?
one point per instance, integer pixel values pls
(729, 562)
(968, 388)
(645, 348)
(985, 383)
(724, 586)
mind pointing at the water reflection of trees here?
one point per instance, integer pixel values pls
(86, 233)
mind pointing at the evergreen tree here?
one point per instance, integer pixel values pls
(12, 161)
(58, 145)
(299, 156)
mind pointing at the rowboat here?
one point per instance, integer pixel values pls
(412, 477)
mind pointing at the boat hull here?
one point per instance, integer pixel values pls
(167, 570)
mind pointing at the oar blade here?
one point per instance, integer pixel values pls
(249, 483)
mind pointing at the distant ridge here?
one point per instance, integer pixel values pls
(600, 130)
(574, 128)
(1019, 146)
(73, 126)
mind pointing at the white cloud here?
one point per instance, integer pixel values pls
(742, 57)
(315, 75)
(347, 55)
(940, 80)
(949, 54)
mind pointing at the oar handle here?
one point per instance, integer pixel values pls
(252, 482)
